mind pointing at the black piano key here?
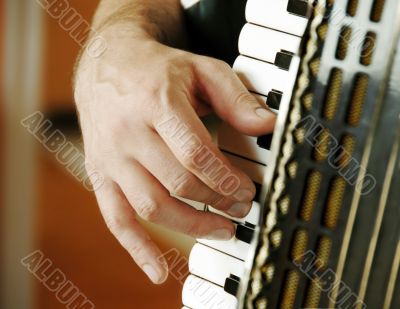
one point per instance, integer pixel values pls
(236, 278)
(298, 7)
(231, 285)
(244, 233)
(258, 191)
(283, 60)
(249, 225)
(274, 99)
(265, 141)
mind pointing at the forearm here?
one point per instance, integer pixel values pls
(129, 24)
(161, 20)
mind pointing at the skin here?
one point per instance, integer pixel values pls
(126, 96)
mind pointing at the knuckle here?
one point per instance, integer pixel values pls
(174, 64)
(194, 230)
(187, 159)
(221, 65)
(183, 184)
(219, 202)
(114, 225)
(134, 248)
(242, 98)
(118, 126)
(211, 63)
(98, 159)
(148, 209)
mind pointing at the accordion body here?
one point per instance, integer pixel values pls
(328, 226)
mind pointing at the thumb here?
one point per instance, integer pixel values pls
(222, 88)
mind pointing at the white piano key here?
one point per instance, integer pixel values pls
(201, 294)
(264, 44)
(212, 265)
(234, 247)
(245, 146)
(254, 170)
(188, 3)
(197, 205)
(252, 217)
(273, 14)
(261, 77)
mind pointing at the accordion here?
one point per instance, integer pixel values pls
(324, 231)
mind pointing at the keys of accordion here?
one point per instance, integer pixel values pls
(234, 142)
(252, 217)
(238, 246)
(254, 170)
(283, 15)
(268, 45)
(196, 205)
(214, 266)
(265, 78)
(273, 104)
(234, 247)
(200, 294)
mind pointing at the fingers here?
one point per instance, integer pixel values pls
(191, 144)
(162, 164)
(153, 203)
(120, 219)
(230, 99)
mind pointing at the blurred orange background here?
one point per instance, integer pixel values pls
(67, 225)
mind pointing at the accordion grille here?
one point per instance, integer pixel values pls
(352, 7)
(333, 94)
(377, 10)
(315, 182)
(313, 295)
(290, 289)
(343, 44)
(358, 95)
(311, 194)
(299, 245)
(334, 202)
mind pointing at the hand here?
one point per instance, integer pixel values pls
(139, 106)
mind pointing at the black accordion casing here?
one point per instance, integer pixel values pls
(330, 235)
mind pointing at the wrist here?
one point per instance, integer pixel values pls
(119, 39)
(133, 18)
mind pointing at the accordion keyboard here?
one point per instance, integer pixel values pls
(268, 65)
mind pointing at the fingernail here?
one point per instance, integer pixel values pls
(221, 234)
(263, 113)
(151, 273)
(243, 195)
(239, 210)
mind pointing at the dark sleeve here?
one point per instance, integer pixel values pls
(214, 27)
